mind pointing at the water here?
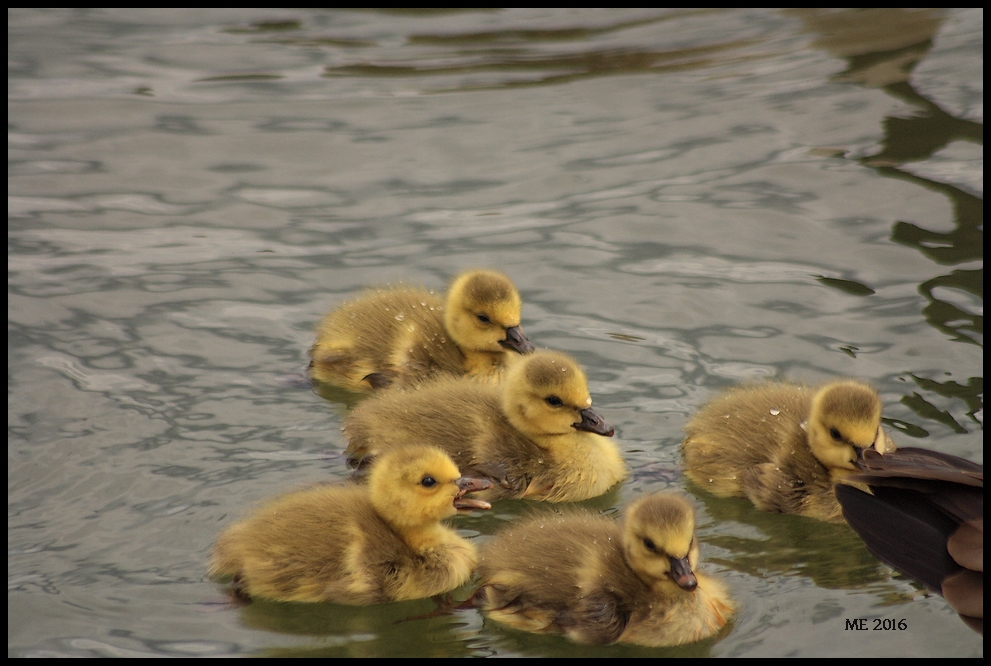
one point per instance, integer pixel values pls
(684, 199)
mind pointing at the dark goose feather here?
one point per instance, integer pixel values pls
(925, 519)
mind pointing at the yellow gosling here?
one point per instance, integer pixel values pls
(405, 335)
(536, 436)
(783, 446)
(599, 582)
(355, 544)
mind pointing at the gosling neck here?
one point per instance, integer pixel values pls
(483, 363)
(422, 537)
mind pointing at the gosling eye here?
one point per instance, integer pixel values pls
(835, 434)
(428, 482)
(649, 544)
(484, 319)
(553, 401)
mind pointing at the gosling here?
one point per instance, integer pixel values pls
(535, 437)
(596, 582)
(357, 545)
(406, 335)
(783, 446)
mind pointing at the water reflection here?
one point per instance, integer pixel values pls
(390, 630)
(769, 545)
(523, 57)
(563, 68)
(882, 47)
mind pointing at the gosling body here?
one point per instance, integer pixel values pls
(406, 335)
(355, 544)
(599, 582)
(783, 446)
(535, 436)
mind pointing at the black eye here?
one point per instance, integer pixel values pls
(485, 320)
(649, 544)
(428, 482)
(835, 434)
(553, 401)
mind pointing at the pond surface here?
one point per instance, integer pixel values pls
(685, 199)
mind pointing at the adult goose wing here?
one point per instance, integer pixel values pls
(925, 518)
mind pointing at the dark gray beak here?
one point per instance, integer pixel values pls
(592, 422)
(683, 576)
(517, 341)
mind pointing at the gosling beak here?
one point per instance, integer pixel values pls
(883, 443)
(517, 341)
(592, 422)
(683, 576)
(467, 484)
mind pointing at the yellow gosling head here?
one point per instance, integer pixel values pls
(415, 486)
(845, 418)
(659, 542)
(547, 394)
(482, 313)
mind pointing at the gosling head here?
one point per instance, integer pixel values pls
(659, 542)
(418, 485)
(547, 394)
(482, 313)
(845, 419)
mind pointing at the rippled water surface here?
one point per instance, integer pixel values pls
(684, 199)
